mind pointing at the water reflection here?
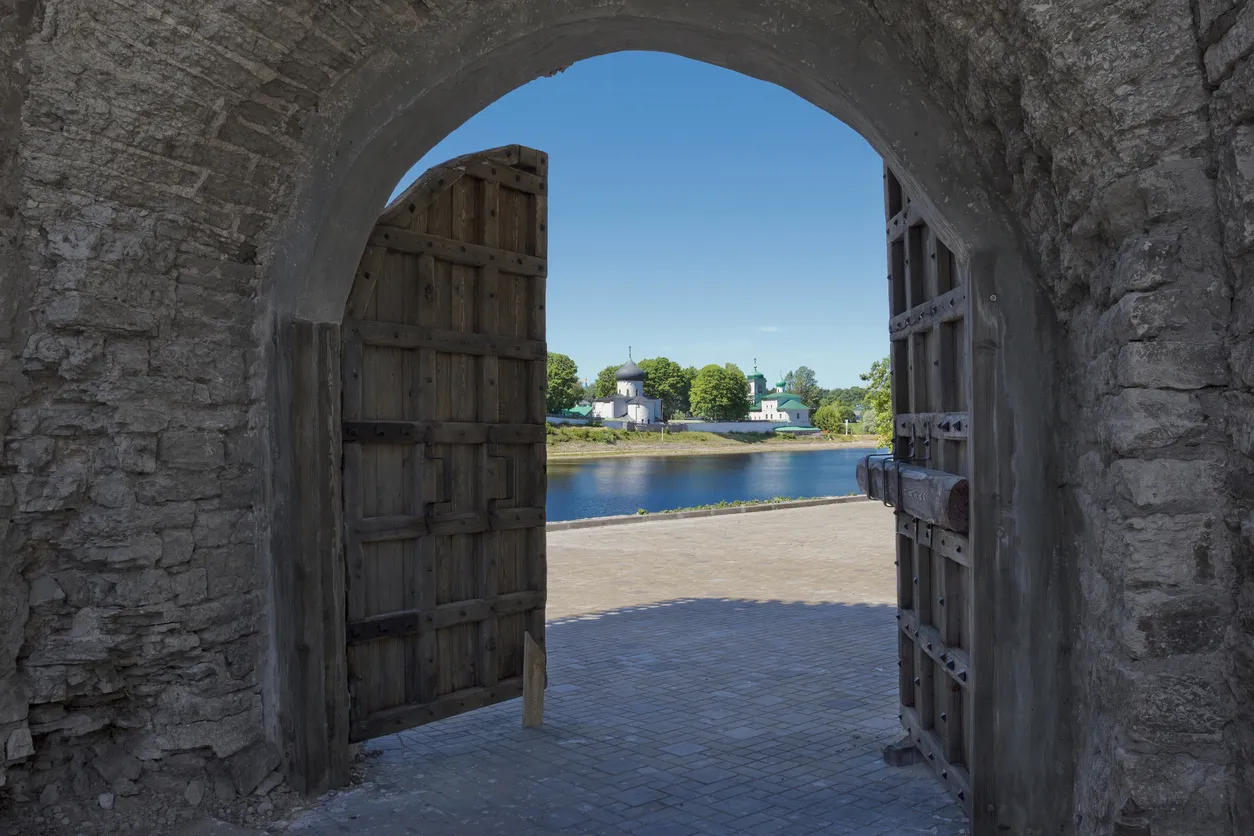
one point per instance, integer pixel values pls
(604, 487)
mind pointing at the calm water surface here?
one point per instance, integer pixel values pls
(605, 487)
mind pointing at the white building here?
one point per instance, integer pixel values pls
(775, 406)
(629, 402)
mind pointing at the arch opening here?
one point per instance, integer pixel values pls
(394, 110)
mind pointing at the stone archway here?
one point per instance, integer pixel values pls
(159, 221)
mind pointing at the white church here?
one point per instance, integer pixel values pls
(629, 402)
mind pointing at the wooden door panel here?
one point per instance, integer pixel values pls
(443, 444)
(925, 479)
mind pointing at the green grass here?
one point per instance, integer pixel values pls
(556, 435)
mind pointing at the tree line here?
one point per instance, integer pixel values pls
(721, 393)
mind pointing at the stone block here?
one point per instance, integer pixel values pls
(193, 450)
(80, 311)
(19, 745)
(1213, 17)
(250, 766)
(1236, 187)
(1234, 44)
(1179, 792)
(1172, 364)
(902, 753)
(215, 528)
(137, 453)
(1167, 485)
(177, 545)
(1196, 311)
(114, 763)
(1161, 624)
(1240, 421)
(1241, 360)
(231, 569)
(1165, 550)
(45, 590)
(1233, 102)
(1140, 419)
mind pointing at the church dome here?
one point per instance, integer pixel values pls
(629, 371)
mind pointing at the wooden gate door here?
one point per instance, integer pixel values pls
(443, 443)
(925, 480)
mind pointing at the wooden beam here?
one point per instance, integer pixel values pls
(393, 720)
(534, 674)
(953, 660)
(440, 432)
(956, 779)
(308, 558)
(930, 495)
(395, 335)
(405, 527)
(943, 425)
(952, 545)
(508, 176)
(411, 622)
(457, 252)
(922, 317)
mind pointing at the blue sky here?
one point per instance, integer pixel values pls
(701, 215)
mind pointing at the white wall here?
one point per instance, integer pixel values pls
(734, 426)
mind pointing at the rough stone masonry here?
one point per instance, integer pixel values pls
(167, 165)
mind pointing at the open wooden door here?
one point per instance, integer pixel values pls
(444, 443)
(926, 481)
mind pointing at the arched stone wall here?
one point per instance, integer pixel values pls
(186, 179)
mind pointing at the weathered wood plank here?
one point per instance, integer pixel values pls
(924, 315)
(940, 425)
(952, 545)
(503, 175)
(309, 565)
(955, 661)
(404, 717)
(931, 495)
(414, 621)
(955, 777)
(440, 432)
(457, 252)
(395, 335)
(534, 681)
(405, 526)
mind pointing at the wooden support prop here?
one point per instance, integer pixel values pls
(931, 495)
(533, 683)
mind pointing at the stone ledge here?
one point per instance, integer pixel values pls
(598, 522)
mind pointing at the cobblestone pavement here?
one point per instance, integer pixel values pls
(721, 675)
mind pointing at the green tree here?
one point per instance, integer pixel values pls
(878, 418)
(606, 385)
(831, 417)
(720, 393)
(804, 384)
(853, 397)
(669, 381)
(590, 392)
(564, 388)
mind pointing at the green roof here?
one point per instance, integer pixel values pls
(797, 429)
(755, 376)
(783, 400)
(582, 409)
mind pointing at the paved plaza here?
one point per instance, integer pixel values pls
(730, 674)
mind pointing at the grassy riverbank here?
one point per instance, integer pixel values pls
(572, 442)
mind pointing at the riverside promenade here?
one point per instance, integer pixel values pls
(731, 674)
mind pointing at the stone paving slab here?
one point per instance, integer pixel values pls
(709, 676)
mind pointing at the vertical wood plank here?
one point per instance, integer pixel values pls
(989, 454)
(308, 560)
(533, 682)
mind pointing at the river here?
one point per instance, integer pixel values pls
(606, 487)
